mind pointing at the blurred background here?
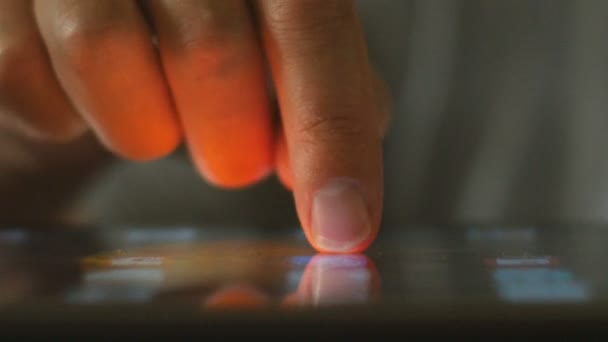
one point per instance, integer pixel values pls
(500, 114)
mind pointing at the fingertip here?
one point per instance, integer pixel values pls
(145, 146)
(352, 248)
(351, 245)
(340, 219)
(232, 177)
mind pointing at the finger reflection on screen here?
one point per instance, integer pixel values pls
(241, 296)
(337, 280)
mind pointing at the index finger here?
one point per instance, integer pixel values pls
(325, 89)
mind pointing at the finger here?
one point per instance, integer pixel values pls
(328, 105)
(215, 68)
(31, 100)
(104, 58)
(283, 167)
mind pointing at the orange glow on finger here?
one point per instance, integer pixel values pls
(225, 113)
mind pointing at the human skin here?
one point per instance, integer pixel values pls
(72, 66)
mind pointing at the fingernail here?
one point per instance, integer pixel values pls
(340, 221)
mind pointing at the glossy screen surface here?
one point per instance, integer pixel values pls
(230, 267)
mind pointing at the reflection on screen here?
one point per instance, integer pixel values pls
(536, 279)
(294, 275)
(13, 236)
(96, 294)
(338, 279)
(131, 276)
(524, 262)
(138, 261)
(300, 260)
(176, 234)
(109, 285)
(505, 234)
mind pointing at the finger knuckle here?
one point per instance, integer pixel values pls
(79, 41)
(207, 49)
(207, 25)
(311, 17)
(327, 128)
(213, 35)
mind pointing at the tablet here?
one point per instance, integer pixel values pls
(224, 281)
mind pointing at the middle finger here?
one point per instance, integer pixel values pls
(215, 69)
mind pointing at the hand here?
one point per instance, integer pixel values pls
(71, 65)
